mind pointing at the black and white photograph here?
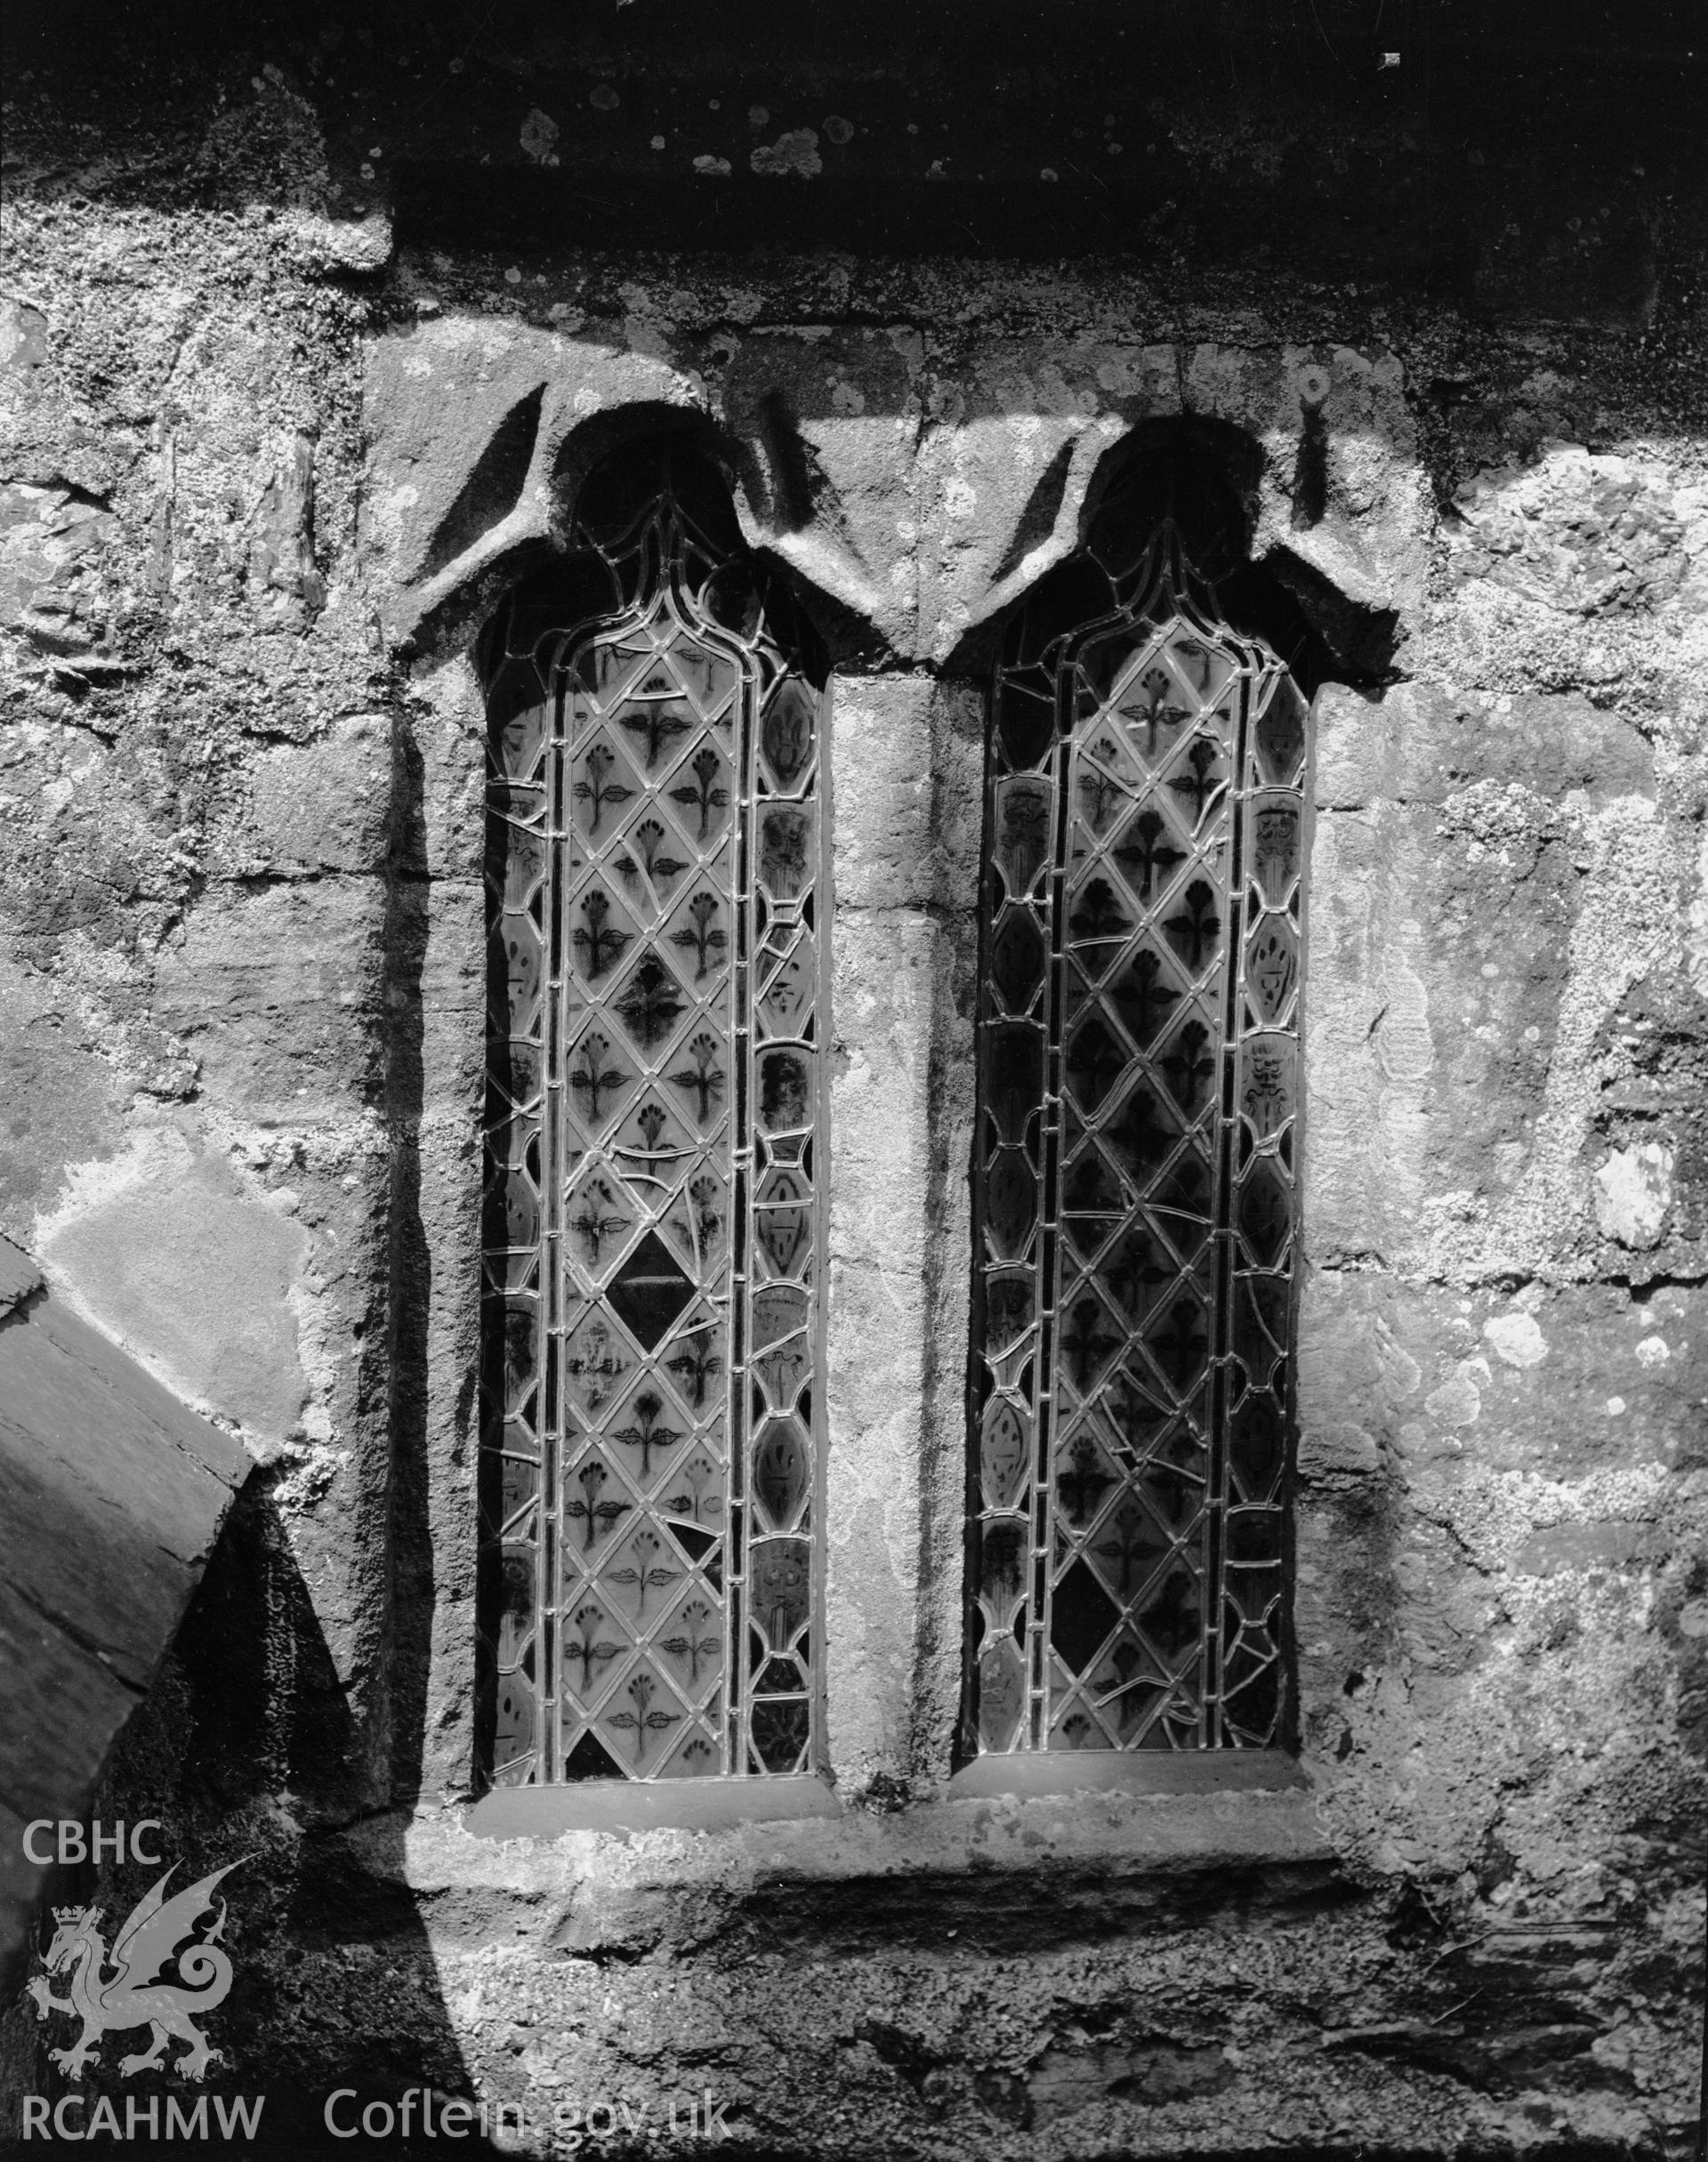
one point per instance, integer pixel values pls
(854, 1080)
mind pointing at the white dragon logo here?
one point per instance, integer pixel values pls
(134, 1997)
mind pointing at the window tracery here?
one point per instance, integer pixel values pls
(1136, 1170)
(652, 1351)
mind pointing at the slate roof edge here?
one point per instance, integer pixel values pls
(20, 1277)
(90, 1603)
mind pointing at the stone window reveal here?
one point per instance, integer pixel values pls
(649, 1489)
(1136, 1170)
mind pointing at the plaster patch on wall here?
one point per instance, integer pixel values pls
(160, 1248)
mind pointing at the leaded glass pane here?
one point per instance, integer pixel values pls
(1136, 1177)
(650, 1472)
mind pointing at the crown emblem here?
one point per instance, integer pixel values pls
(68, 1914)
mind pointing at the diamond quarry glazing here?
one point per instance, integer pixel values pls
(1136, 1178)
(650, 1484)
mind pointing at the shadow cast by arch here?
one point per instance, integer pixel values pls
(406, 1539)
(513, 518)
(1202, 474)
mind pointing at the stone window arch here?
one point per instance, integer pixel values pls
(650, 1479)
(1137, 1153)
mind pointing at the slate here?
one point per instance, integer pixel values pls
(112, 1494)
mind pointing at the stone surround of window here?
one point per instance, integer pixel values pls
(905, 731)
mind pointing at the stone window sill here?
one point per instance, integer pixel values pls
(687, 1805)
(1142, 1772)
(712, 1805)
(991, 1872)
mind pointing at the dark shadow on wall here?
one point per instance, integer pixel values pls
(409, 1578)
(1487, 162)
(252, 1751)
(495, 483)
(1203, 475)
(247, 1752)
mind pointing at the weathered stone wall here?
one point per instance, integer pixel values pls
(280, 424)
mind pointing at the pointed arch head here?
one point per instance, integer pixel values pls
(649, 506)
(1200, 477)
(1197, 474)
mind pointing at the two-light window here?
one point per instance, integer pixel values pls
(653, 1445)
